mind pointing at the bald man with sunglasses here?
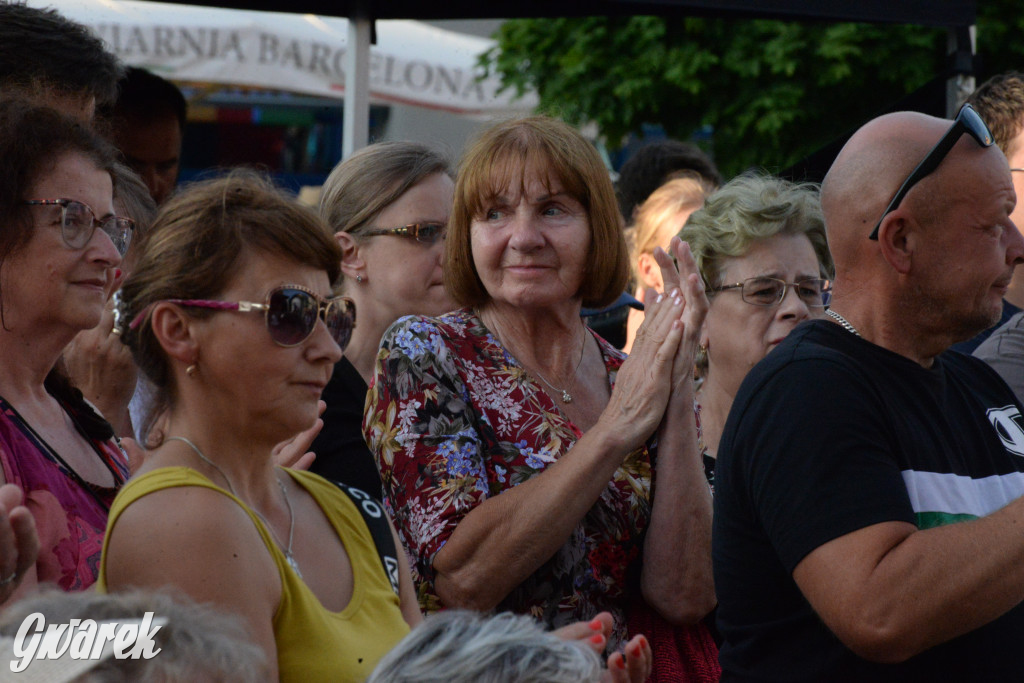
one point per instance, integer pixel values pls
(868, 522)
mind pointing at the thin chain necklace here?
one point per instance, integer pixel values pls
(566, 396)
(291, 515)
(842, 321)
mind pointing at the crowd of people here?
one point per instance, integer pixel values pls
(505, 420)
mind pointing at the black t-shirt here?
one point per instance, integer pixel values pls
(341, 451)
(830, 434)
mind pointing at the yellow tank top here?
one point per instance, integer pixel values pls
(313, 644)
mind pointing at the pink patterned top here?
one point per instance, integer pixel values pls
(70, 514)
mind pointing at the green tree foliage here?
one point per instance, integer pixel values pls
(1000, 27)
(773, 91)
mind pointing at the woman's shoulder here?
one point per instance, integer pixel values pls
(456, 324)
(177, 493)
(166, 518)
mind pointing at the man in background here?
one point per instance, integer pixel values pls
(147, 124)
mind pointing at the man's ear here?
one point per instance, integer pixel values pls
(175, 332)
(352, 262)
(898, 236)
(648, 272)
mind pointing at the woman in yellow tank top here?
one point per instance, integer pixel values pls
(233, 322)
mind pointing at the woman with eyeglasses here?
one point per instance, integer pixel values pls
(233, 320)
(59, 250)
(388, 205)
(760, 245)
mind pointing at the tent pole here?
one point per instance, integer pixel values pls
(962, 47)
(356, 127)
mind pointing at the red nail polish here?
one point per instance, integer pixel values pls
(597, 638)
(596, 624)
(636, 650)
(621, 663)
(117, 273)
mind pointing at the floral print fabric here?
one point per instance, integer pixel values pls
(452, 420)
(70, 520)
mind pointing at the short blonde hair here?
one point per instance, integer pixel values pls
(750, 208)
(686, 192)
(499, 159)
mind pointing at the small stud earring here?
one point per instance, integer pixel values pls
(192, 370)
(359, 279)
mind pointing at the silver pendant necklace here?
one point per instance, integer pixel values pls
(842, 321)
(288, 556)
(566, 396)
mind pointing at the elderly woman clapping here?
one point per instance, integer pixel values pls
(515, 445)
(761, 247)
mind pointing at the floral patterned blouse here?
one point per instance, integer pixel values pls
(453, 419)
(70, 513)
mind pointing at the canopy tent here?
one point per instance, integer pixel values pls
(951, 13)
(411, 62)
(956, 15)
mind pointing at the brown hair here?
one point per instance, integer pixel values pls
(1000, 103)
(374, 178)
(32, 139)
(499, 159)
(197, 245)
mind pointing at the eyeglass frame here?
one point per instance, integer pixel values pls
(785, 288)
(936, 155)
(255, 307)
(63, 203)
(411, 230)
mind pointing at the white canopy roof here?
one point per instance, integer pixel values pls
(412, 63)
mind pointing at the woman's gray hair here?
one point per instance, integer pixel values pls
(197, 642)
(749, 208)
(457, 646)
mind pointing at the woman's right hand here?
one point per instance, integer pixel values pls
(646, 378)
(19, 543)
(683, 272)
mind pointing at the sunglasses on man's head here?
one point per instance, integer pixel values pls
(291, 314)
(967, 121)
(78, 223)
